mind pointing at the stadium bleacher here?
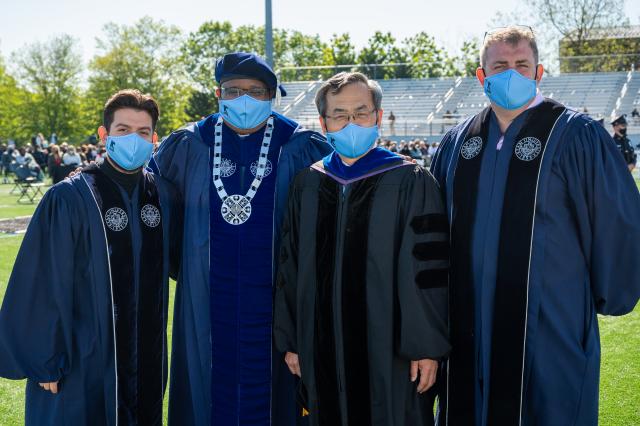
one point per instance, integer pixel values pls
(428, 106)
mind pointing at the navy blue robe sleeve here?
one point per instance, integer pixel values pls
(606, 202)
(169, 163)
(170, 159)
(36, 329)
(423, 271)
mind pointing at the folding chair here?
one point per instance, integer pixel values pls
(29, 185)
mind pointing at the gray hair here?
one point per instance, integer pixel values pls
(336, 83)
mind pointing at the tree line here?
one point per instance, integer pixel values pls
(48, 89)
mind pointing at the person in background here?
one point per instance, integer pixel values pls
(404, 149)
(622, 141)
(8, 157)
(392, 123)
(54, 162)
(3, 149)
(24, 157)
(71, 157)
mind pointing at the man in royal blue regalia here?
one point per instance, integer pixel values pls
(233, 169)
(544, 236)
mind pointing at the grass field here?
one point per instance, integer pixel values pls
(620, 374)
(8, 203)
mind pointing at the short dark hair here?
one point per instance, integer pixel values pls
(130, 98)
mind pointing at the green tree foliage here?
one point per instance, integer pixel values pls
(51, 73)
(214, 39)
(144, 56)
(383, 50)
(12, 108)
(469, 58)
(340, 50)
(47, 94)
(427, 58)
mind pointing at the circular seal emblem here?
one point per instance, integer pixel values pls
(236, 209)
(528, 149)
(150, 215)
(267, 168)
(471, 148)
(116, 219)
(227, 167)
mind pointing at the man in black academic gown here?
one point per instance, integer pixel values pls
(84, 315)
(361, 299)
(622, 141)
(544, 236)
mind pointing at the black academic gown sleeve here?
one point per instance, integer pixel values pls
(36, 315)
(422, 277)
(284, 328)
(606, 203)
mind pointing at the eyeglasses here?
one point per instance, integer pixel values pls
(520, 27)
(360, 117)
(236, 92)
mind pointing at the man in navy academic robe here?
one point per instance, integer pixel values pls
(544, 236)
(85, 313)
(224, 369)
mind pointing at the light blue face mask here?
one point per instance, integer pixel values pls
(353, 141)
(509, 89)
(245, 112)
(130, 151)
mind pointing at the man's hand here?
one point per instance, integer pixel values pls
(292, 362)
(631, 167)
(52, 387)
(407, 158)
(428, 369)
(76, 172)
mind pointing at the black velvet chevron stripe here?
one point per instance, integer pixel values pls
(512, 284)
(432, 278)
(432, 250)
(430, 223)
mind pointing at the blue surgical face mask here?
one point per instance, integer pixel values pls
(130, 151)
(509, 89)
(353, 141)
(245, 112)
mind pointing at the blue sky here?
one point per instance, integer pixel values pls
(450, 22)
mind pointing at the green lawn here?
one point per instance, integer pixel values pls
(9, 206)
